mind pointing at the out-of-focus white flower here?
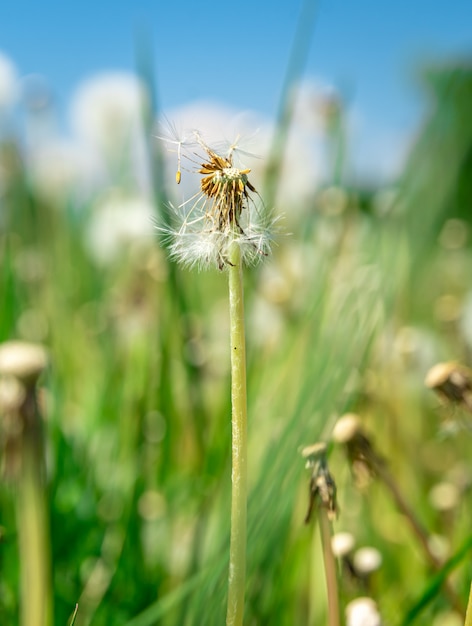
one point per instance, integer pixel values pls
(265, 324)
(362, 612)
(342, 544)
(106, 114)
(60, 169)
(116, 222)
(8, 82)
(445, 496)
(107, 110)
(367, 560)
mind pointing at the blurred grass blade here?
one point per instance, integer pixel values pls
(433, 589)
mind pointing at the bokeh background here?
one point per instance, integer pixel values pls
(357, 128)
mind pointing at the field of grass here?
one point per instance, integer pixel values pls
(366, 290)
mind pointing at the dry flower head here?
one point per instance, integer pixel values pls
(364, 459)
(452, 382)
(322, 490)
(362, 612)
(223, 212)
(22, 360)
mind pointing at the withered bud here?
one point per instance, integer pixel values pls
(451, 381)
(346, 428)
(363, 458)
(314, 453)
(322, 490)
(12, 395)
(23, 361)
(21, 364)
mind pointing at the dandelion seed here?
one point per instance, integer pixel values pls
(171, 136)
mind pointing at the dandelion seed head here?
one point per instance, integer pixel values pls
(342, 544)
(367, 560)
(362, 612)
(226, 210)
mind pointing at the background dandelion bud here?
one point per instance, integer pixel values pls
(362, 612)
(346, 428)
(342, 544)
(451, 381)
(367, 560)
(364, 460)
(22, 360)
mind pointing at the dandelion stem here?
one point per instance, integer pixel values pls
(237, 557)
(330, 569)
(32, 522)
(418, 530)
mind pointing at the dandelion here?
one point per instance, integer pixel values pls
(225, 212)
(363, 612)
(452, 382)
(221, 226)
(322, 497)
(362, 454)
(366, 561)
(23, 459)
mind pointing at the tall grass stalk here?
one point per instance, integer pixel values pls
(237, 556)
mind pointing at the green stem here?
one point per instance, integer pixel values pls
(237, 556)
(468, 616)
(33, 535)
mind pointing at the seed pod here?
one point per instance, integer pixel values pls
(451, 381)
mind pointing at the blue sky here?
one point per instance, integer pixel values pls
(236, 53)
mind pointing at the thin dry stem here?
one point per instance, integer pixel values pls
(420, 533)
(330, 569)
